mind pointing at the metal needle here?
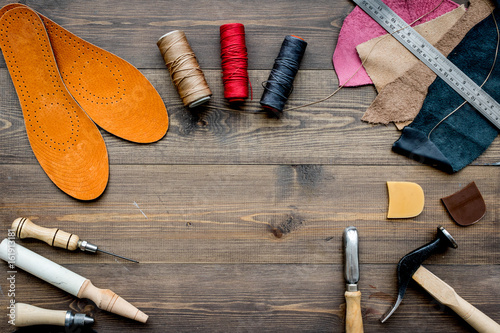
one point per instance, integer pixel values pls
(116, 255)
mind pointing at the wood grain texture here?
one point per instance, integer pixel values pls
(327, 133)
(237, 218)
(264, 298)
(253, 213)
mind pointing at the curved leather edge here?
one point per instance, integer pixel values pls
(63, 179)
(414, 144)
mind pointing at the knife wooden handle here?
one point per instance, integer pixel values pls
(353, 319)
(447, 296)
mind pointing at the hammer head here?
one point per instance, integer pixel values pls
(409, 264)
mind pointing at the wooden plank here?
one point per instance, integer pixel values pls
(262, 298)
(233, 214)
(327, 133)
(131, 31)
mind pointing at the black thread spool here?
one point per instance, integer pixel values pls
(279, 85)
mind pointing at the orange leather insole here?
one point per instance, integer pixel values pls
(67, 144)
(112, 92)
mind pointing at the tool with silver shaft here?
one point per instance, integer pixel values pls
(433, 59)
(29, 315)
(353, 319)
(24, 228)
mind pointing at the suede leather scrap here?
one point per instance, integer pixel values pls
(112, 92)
(387, 59)
(465, 134)
(359, 27)
(65, 141)
(62, 81)
(401, 100)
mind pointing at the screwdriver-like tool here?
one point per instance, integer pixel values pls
(55, 237)
(28, 315)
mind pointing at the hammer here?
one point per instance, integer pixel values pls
(410, 267)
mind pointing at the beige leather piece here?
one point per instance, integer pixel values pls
(66, 143)
(386, 58)
(112, 92)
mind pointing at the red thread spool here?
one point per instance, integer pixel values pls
(234, 62)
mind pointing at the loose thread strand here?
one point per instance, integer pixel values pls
(486, 79)
(363, 62)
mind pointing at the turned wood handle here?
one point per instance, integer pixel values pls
(353, 319)
(24, 228)
(107, 300)
(28, 315)
(447, 296)
(67, 280)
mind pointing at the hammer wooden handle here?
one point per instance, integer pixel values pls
(447, 296)
(353, 319)
(24, 228)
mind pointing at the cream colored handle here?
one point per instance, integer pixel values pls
(28, 315)
(353, 319)
(41, 267)
(447, 296)
(24, 228)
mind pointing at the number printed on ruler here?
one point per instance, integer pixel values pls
(434, 59)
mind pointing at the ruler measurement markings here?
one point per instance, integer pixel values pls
(433, 59)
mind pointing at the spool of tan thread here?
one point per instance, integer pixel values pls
(184, 69)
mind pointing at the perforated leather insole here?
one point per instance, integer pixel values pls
(67, 144)
(111, 91)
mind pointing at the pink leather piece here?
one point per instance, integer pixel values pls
(358, 28)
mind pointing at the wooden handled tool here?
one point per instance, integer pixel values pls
(353, 318)
(446, 295)
(28, 315)
(66, 280)
(55, 237)
(409, 267)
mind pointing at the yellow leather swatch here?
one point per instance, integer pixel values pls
(66, 143)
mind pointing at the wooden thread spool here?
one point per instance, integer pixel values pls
(184, 69)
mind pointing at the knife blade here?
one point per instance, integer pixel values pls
(354, 320)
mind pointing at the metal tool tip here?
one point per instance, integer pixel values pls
(391, 310)
(448, 237)
(116, 255)
(87, 321)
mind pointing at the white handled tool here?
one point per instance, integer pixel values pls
(68, 281)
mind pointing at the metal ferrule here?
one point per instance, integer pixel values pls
(351, 287)
(77, 320)
(86, 246)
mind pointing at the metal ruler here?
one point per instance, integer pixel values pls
(434, 59)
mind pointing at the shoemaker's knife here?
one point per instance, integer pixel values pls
(353, 319)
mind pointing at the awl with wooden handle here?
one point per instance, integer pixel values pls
(29, 315)
(353, 319)
(24, 228)
(63, 278)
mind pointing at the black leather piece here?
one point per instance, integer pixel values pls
(415, 145)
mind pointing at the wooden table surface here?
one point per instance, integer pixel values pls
(198, 208)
